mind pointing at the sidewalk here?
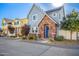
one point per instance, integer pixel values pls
(45, 42)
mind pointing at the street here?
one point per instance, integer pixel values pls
(19, 48)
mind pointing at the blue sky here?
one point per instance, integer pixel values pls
(20, 10)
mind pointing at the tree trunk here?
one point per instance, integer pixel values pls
(70, 35)
(77, 35)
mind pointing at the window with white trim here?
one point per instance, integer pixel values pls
(59, 16)
(34, 17)
(54, 14)
(34, 30)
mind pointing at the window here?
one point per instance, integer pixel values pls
(54, 14)
(36, 29)
(34, 17)
(59, 16)
(32, 30)
(17, 22)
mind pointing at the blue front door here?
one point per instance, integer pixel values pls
(46, 32)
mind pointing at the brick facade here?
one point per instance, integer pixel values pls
(46, 21)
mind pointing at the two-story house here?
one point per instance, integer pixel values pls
(45, 23)
(16, 23)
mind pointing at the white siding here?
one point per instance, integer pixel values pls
(35, 11)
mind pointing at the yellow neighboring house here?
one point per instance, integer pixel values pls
(16, 23)
(5, 23)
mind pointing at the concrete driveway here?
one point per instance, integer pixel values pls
(19, 48)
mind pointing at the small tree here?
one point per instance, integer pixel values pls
(77, 27)
(71, 23)
(25, 30)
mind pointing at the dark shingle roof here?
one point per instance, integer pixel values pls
(52, 10)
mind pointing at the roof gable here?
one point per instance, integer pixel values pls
(49, 18)
(56, 9)
(34, 5)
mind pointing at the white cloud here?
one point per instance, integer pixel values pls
(57, 4)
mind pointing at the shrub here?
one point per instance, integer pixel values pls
(59, 38)
(24, 38)
(32, 37)
(13, 36)
(50, 39)
(25, 30)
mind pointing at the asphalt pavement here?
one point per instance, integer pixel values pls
(10, 47)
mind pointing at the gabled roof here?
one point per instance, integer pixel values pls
(7, 20)
(56, 9)
(43, 12)
(50, 19)
(32, 8)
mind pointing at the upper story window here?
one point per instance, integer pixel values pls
(34, 17)
(54, 14)
(16, 23)
(59, 16)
